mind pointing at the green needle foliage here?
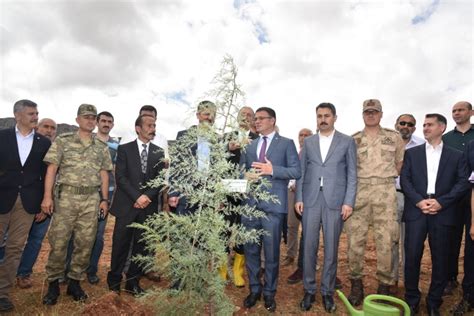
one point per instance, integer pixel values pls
(190, 249)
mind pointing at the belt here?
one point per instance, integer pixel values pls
(376, 180)
(78, 190)
(320, 188)
(400, 190)
(431, 196)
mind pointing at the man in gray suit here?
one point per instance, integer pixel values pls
(274, 158)
(325, 194)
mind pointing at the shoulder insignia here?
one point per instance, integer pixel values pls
(356, 134)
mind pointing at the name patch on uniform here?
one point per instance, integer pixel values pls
(388, 141)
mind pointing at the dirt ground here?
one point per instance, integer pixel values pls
(104, 303)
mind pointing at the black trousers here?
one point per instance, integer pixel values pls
(439, 241)
(463, 219)
(121, 239)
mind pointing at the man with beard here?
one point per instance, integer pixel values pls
(459, 138)
(406, 126)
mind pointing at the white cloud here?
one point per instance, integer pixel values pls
(292, 55)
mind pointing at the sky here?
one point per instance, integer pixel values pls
(414, 56)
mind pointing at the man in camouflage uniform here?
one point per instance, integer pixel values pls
(379, 160)
(83, 162)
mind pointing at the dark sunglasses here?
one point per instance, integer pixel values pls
(409, 124)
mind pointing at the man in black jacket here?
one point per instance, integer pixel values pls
(138, 162)
(21, 188)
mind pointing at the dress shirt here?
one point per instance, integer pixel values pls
(269, 141)
(24, 144)
(140, 147)
(203, 154)
(324, 144)
(433, 154)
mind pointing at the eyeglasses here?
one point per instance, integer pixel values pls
(261, 118)
(409, 124)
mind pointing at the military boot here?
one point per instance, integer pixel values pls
(51, 297)
(74, 289)
(357, 292)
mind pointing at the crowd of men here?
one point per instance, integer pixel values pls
(406, 188)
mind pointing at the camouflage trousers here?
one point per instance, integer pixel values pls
(376, 206)
(73, 213)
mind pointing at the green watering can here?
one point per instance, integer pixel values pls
(373, 306)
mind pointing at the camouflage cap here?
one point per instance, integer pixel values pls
(372, 104)
(86, 109)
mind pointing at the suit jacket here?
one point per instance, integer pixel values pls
(451, 182)
(235, 154)
(284, 158)
(339, 171)
(28, 180)
(130, 182)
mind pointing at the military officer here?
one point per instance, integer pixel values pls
(379, 160)
(81, 190)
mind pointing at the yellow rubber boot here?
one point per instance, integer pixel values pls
(238, 269)
(223, 272)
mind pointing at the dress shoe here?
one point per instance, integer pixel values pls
(133, 287)
(307, 301)
(450, 287)
(113, 284)
(153, 276)
(24, 282)
(93, 278)
(357, 292)
(328, 303)
(414, 309)
(288, 261)
(5, 305)
(296, 277)
(383, 289)
(462, 307)
(338, 284)
(51, 297)
(270, 304)
(75, 290)
(433, 311)
(251, 300)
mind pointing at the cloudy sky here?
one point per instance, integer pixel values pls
(415, 56)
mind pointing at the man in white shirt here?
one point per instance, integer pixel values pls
(406, 126)
(22, 173)
(433, 179)
(325, 197)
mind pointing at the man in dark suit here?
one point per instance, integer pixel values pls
(325, 196)
(275, 158)
(138, 162)
(236, 141)
(466, 304)
(433, 179)
(200, 149)
(22, 173)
